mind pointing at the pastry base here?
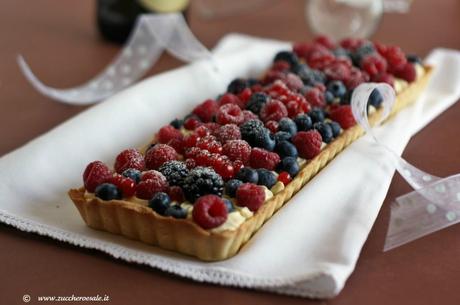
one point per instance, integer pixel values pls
(141, 223)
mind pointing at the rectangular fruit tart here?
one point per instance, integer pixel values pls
(207, 182)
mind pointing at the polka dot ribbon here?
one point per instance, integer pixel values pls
(435, 202)
(152, 35)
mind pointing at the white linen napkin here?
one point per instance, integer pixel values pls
(309, 248)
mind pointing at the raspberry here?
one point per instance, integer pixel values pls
(261, 158)
(202, 131)
(202, 158)
(210, 144)
(273, 125)
(381, 48)
(395, 57)
(176, 193)
(237, 165)
(248, 115)
(251, 196)
(356, 78)
(152, 182)
(230, 98)
(384, 78)
(293, 82)
(351, 43)
(281, 66)
(192, 123)
(190, 140)
(225, 170)
(190, 163)
(158, 155)
(237, 150)
(374, 64)
(278, 88)
(209, 211)
(129, 158)
(308, 143)
(95, 174)
(167, 133)
(319, 57)
(229, 114)
(272, 76)
(325, 41)
(343, 115)
(244, 96)
(177, 144)
(407, 73)
(127, 186)
(337, 71)
(206, 110)
(273, 110)
(315, 97)
(212, 126)
(284, 177)
(301, 49)
(228, 132)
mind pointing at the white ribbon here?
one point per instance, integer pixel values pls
(152, 35)
(435, 202)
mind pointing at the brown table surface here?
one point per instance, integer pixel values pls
(62, 45)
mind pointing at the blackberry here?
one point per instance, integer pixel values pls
(252, 131)
(174, 171)
(201, 181)
(256, 102)
(287, 56)
(237, 85)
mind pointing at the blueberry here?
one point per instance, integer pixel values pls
(132, 173)
(252, 81)
(176, 211)
(290, 165)
(303, 122)
(345, 100)
(335, 127)
(287, 56)
(231, 186)
(247, 174)
(160, 202)
(325, 130)
(177, 123)
(329, 97)
(361, 52)
(316, 115)
(266, 178)
(309, 76)
(287, 125)
(375, 99)
(228, 205)
(266, 141)
(107, 191)
(413, 59)
(341, 52)
(337, 88)
(237, 85)
(256, 102)
(286, 149)
(281, 136)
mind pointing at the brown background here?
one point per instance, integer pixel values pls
(61, 43)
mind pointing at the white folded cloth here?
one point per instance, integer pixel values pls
(309, 248)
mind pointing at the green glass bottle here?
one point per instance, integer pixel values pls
(116, 18)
